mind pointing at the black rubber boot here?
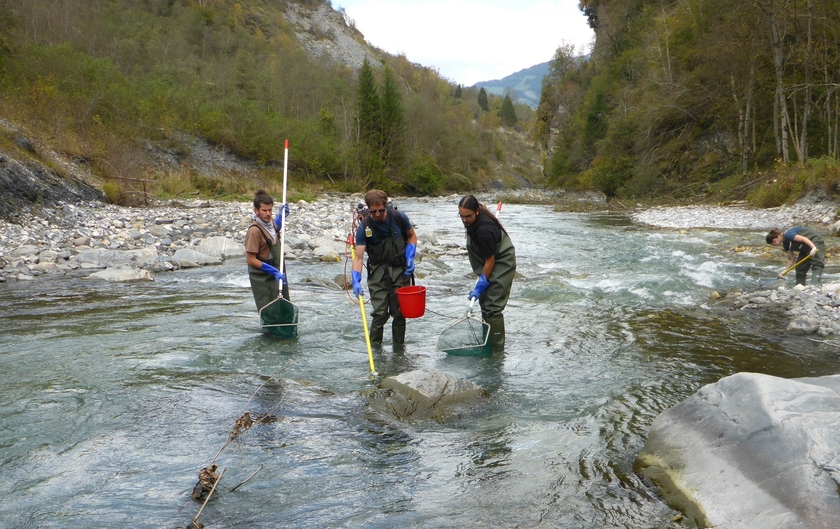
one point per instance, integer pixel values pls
(398, 330)
(497, 332)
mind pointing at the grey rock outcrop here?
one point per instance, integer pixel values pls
(423, 391)
(751, 451)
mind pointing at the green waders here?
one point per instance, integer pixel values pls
(263, 284)
(383, 282)
(816, 263)
(495, 298)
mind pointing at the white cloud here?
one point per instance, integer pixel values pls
(469, 40)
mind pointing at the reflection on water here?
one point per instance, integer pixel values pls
(115, 396)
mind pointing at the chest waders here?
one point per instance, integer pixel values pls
(263, 285)
(815, 263)
(386, 273)
(495, 298)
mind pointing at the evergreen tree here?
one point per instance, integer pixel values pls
(391, 120)
(368, 119)
(367, 106)
(507, 113)
(457, 91)
(482, 100)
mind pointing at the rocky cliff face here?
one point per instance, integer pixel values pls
(327, 33)
(31, 175)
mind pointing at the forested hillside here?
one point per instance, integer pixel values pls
(692, 98)
(108, 83)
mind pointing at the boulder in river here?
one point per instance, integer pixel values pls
(422, 391)
(123, 274)
(751, 451)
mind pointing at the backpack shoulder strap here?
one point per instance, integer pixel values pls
(397, 216)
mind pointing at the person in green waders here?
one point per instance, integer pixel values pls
(807, 241)
(493, 259)
(262, 251)
(391, 245)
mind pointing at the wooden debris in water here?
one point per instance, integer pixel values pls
(242, 424)
(207, 479)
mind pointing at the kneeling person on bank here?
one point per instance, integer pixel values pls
(807, 241)
(262, 251)
(388, 238)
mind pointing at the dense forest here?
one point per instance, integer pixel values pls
(697, 99)
(103, 81)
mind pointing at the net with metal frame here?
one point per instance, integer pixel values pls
(467, 336)
(280, 318)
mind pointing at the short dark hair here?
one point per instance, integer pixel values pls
(261, 197)
(772, 235)
(376, 196)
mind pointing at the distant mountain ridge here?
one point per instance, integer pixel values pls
(527, 83)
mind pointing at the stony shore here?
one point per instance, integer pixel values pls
(122, 244)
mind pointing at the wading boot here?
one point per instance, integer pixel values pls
(497, 332)
(800, 279)
(398, 330)
(816, 276)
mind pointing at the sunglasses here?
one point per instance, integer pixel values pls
(378, 211)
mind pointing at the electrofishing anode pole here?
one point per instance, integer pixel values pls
(364, 321)
(283, 211)
(795, 265)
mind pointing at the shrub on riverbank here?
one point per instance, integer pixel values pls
(788, 183)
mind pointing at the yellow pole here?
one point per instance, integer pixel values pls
(364, 319)
(795, 265)
(367, 335)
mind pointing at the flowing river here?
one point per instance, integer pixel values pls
(115, 395)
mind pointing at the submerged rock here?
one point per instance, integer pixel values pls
(422, 391)
(751, 450)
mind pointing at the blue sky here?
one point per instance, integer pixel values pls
(469, 41)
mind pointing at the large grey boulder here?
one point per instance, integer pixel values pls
(751, 451)
(186, 257)
(119, 258)
(422, 392)
(123, 274)
(220, 247)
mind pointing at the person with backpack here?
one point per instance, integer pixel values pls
(389, 240)
(262, 251)
(493, 260)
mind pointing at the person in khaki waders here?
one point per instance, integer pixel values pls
(391, 245)
(262, 251)
(807, 241)
(493, 259)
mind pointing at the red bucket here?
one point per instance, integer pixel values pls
(412, 301)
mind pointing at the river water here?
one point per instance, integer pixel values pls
(115, 395)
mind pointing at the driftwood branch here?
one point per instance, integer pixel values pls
(194, 522)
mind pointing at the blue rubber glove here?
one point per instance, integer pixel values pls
(357, 283)
(410, 252)
(278, 221)
(480, 287)
(265, 267)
